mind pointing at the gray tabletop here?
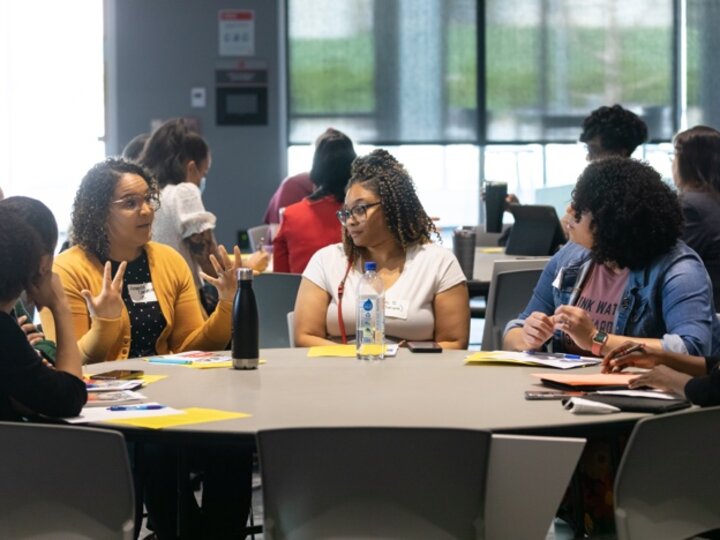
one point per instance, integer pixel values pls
(410, 390)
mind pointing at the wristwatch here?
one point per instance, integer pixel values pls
(598, 341)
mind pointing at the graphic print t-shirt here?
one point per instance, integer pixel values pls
(600, 297)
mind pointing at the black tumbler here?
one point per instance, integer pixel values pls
(495, 193)
(464, 249)
(245, 328)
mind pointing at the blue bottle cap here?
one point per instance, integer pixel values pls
(370, 266)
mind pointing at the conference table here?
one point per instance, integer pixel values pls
(291, 390)
(412, 389)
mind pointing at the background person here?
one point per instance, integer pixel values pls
(134, 148)
(383, 221)
(696, 172)
(311, 224)
(27, 385)
(612, 131)
(624, 273)
(180, 160)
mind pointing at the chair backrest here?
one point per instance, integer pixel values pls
(64, 482)
(291, 328)
(275, 295)
(511, 287)
(257, 234)
(666, 486)
(373, 483)
(527, 477)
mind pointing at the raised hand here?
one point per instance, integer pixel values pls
(109, 303)
(226, 280)
(258, 261)
(537, 329)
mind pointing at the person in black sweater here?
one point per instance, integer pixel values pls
(28, 385)
(696, 173)
(693, 377)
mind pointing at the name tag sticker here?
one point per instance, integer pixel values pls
(142, 293)
(396, 309)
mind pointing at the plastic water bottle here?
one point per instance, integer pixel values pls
(370, 316)
(245, 329)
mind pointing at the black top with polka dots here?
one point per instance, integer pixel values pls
(146, 319)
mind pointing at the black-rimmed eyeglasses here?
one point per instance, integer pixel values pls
(359, 212)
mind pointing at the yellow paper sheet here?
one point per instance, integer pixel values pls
(147, 379)
(494, 357)
(193, 415)
(492, 250)
(211, 365)
(343, 351)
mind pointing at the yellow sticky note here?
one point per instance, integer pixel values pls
(494, 357)
(343, 351)
(193, 415)
(492, 250)
(147, 379)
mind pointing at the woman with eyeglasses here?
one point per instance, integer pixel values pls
(180, 159)
(696, 172)
(130, 297)
(311, 224)
(625, 272)
(426, 298)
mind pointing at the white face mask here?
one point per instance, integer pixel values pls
(203, 183)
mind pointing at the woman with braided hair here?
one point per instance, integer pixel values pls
(383, 221)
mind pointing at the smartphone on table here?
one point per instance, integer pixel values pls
(424, 346)
(118, 374)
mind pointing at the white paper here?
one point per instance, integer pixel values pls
(650, 394)
(578, 405)
(101, 414)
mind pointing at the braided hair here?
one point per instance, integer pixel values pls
(406, 218)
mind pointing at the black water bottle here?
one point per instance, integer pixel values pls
(245, 337)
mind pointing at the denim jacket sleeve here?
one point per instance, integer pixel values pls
(542, 298)
(687, 308)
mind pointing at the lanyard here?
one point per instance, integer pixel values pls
(341, 292)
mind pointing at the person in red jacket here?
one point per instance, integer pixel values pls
(311, 224)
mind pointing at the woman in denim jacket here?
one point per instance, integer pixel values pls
(624, 273)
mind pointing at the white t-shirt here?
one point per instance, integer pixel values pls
(181, 214)
(429, 269)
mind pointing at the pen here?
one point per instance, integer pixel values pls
(150, 407)
(564, 356)
(635, 348)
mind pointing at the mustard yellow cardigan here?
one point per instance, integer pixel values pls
(109, 339)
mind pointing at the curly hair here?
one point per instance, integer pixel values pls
(27, 232)
(170, 148)
(635, 216)
(406, 218)
(92, 203)
(620, 130)
(334, 154)
(697, 153)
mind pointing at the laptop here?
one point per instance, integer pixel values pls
(537, 231)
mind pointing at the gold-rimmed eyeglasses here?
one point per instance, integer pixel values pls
(133, 203)
(359, 212)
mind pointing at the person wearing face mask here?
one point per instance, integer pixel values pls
(180, 160)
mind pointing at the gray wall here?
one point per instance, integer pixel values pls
(156, 51)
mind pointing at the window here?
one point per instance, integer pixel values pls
(51, 99)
